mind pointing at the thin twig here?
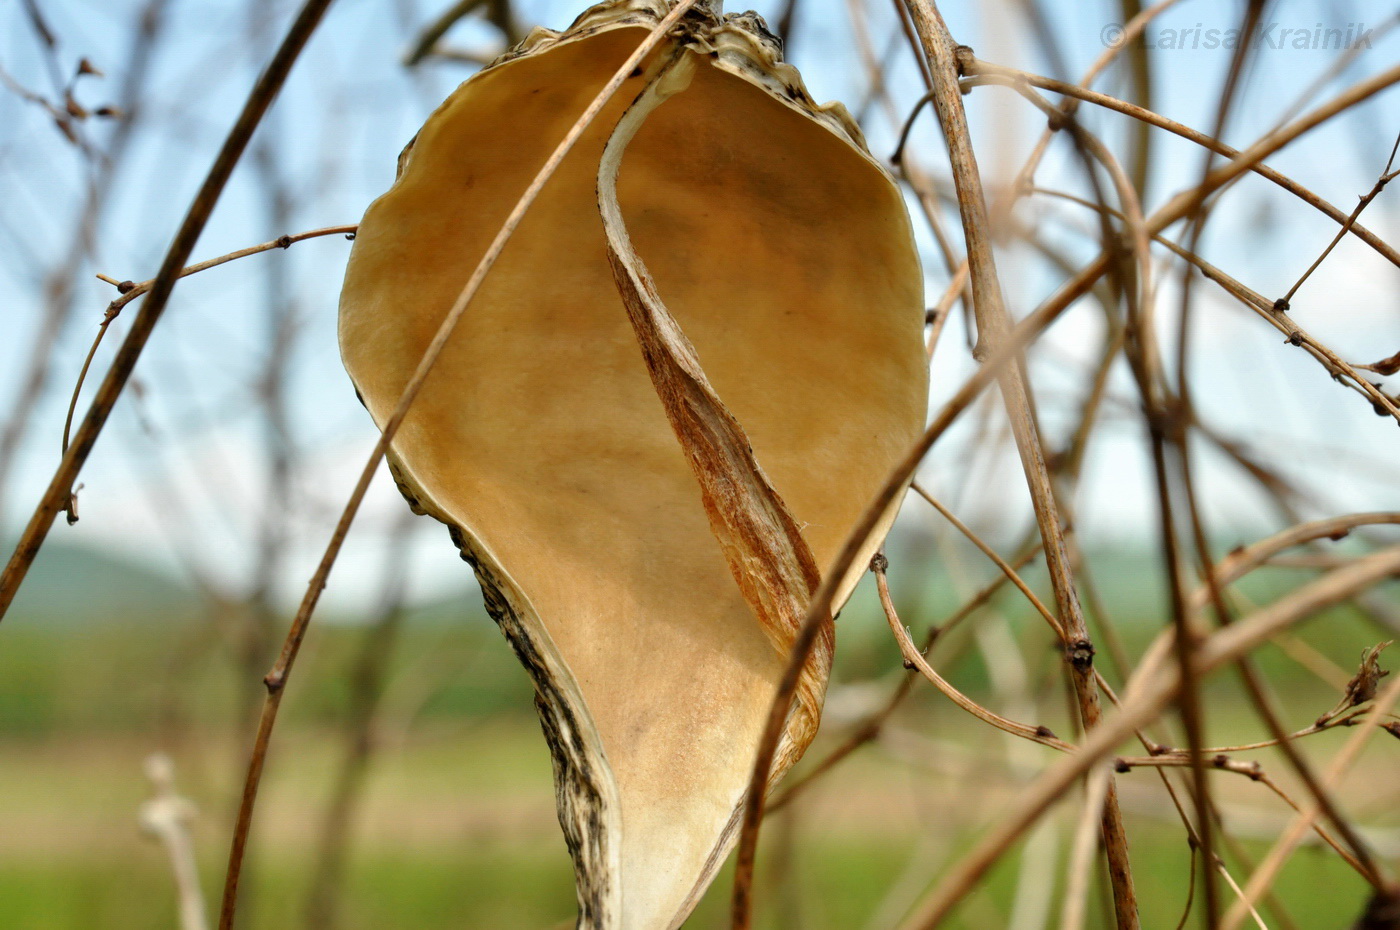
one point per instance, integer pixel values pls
(130, 291)
(1268, 870)
(59, 288)
(978, 70)
(869, 729)
(1146, 698)
(367, 683)
(1387, 175)
(1339, 369)
(993, 322)
(819, 608)
(991, 553)
(276, 679)
(913, 657)
(429, 37)
(58, 494)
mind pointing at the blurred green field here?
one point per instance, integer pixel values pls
(456, 826)
(458, 831)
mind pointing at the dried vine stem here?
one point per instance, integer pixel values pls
(59, 302)
(1246, 559)
(1167, 418)
(1165, 756)
(1010, 574)
(130, 291)
(1264, 876)
(59, 492)
(1361, 863)
(276, 679)
(993, 323)
(434, 31)
(823, 597)
(1146, 698)
(1387, 175)
(1180, 205)
(1162, 757)
(1340, 370)
(997, 560)
(977, 71)
(369, 678)
(913, 657)
(869, 729)
(498, 13)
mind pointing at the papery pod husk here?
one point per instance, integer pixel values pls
(785, 254)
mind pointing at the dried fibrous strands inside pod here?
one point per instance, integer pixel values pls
(787, 295)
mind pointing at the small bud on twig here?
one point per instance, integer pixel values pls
(1363, 684)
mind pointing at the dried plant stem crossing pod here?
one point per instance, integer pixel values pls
(691, 368)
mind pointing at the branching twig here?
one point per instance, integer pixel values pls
(130, 290)
(914, 658)
(59, 493)
(1146, 698)
(1387, 175)
(1264, 876)
(993, 323)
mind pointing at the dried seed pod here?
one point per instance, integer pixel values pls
(646, 436)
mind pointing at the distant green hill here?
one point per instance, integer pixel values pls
(74, 584)
(80, 584)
